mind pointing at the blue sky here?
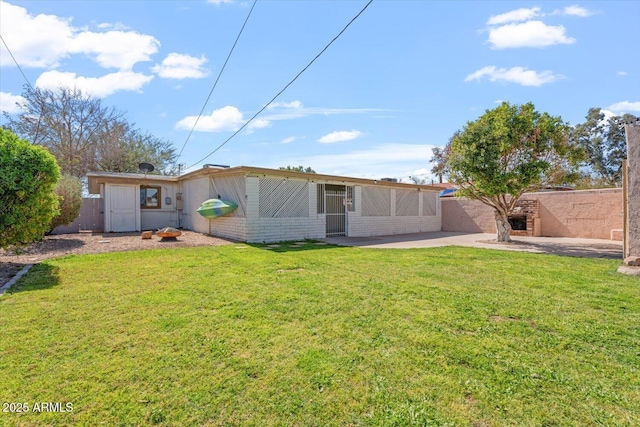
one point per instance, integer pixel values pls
(399, 81)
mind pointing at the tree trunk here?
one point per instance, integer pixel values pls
(503, 227)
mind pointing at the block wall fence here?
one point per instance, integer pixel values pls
(590, 214)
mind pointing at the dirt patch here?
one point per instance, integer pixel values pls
(8, 270)
(11, 262)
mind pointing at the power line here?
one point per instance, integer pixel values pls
(286, 87)
(16, 62)
(216, 82)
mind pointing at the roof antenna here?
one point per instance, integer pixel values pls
(146, 168)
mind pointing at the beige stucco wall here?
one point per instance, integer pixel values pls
(591, 214)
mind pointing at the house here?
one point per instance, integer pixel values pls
(273, 205)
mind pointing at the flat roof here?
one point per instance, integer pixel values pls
(96, 178)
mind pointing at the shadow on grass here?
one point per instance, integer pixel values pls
(591, 250)
(41, 276)
(295, 246)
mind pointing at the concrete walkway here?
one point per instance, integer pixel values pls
(591, 248)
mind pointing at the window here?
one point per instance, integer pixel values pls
(150, 197)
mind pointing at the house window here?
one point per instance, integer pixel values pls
(150, 197)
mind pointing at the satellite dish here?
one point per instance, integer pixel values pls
(146, 167)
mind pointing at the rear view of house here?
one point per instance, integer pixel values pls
(273, 205)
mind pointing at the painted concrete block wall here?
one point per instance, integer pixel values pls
(234, 228)
(590, 214)
(280, 229)
(467, 216)
(364, 226)
(195, 192)
(633, 189)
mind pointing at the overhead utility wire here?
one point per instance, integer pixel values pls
(285, 88)
(16, 62)
(216, 82)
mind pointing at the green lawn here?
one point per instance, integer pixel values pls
(321, 335)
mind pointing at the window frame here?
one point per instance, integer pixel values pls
(154, 187)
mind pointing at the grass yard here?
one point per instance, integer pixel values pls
(320, 335)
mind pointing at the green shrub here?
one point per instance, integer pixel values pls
(69, 191)
(28, 202)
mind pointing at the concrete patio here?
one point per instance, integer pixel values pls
(591, 248)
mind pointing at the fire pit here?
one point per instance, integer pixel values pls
(168, 233)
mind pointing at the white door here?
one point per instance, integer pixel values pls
(124, 205)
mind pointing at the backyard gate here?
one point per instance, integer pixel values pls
(336, 214)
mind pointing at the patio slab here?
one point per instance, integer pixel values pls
(590, 248)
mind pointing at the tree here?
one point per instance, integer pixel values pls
(124, 153)
(418, 180)
(28, 176)
(504, 153)
(603, 141)
(440, 159)
(84, 135)
(69, 192)
(297, 169)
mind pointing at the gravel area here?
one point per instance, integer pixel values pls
(11, 262)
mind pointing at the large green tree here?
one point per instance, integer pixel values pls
(605, 145)
(28, 202)
(84, 135)
(504, 153)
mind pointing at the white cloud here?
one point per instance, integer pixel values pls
(340, 136)
(295, 110)
(528, 34)
(225, 119)
(607, 115)
(517, 75)
(99, 87)
(288, 140)
(113, 26)
(385, 160)
(621, 73)
(514, 16)
(624, 107)
(574, 10)
(256, 124)
(8, 102)
(230, 118)
(35, 41)
(114, 49)
(219, 2)
(42, 41)
(181, 66)
(292, 104)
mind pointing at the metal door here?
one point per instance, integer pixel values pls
(336, 215)
(123, 207)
